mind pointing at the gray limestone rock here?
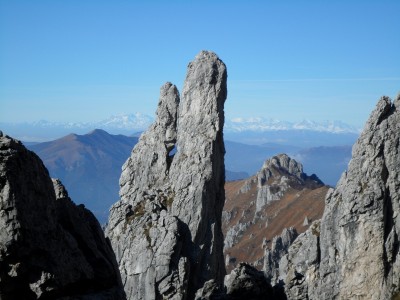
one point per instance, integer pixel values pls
(279, 248)
(291, 175)
(49, 247)
(298, 266)
(166, 229)
(354, 253)
(246, 282)
(234, 233)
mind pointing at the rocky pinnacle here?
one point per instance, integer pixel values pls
(166, 229)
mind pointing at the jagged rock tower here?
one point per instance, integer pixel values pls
(166, 229)
(354, 252)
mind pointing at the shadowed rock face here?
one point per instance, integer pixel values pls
(354, 251)
(166, 229)
(49, 247)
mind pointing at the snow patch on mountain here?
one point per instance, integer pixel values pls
(129, 124)
(130, 121)
(263, 124)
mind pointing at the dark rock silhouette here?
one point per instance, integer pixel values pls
(49, 247)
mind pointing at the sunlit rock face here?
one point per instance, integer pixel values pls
(166, 229)
(354, 252)
(49, 247)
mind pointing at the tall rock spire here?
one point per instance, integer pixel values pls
(198, 170)
(166, 229)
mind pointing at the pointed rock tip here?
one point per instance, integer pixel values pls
(207, 55)
(381, 112)
(167, 88)
(97, 132)
(397, 101)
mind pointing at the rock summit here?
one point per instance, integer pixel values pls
(166, 229)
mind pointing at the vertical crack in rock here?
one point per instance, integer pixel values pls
(166, 229)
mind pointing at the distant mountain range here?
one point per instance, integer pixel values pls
(264, 124)
(128, 124)
(90, 165)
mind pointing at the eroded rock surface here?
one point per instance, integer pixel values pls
(166, 229)
(246, 282)
(258, 209)
(49, 247)
(354, 252)
(272, 187)
(279, 247)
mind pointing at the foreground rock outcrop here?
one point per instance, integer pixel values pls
(166, 229)
(354, 253)
(49, 247)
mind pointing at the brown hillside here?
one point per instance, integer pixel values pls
(297, 203)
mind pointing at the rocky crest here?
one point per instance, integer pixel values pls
(49, 247)
(290, 174)
(166, 229)
(279, 196)
(354, 251)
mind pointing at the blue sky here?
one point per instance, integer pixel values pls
(289, 60)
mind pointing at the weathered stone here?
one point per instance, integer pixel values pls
(300, 263)
(246, 282)
(355, 254)
(166, 229)
(256, 210)
(272, 187)
(49, 247)
(211, 291)
(272, 256)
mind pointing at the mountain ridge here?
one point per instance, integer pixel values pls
(130, 124)
(92, 161)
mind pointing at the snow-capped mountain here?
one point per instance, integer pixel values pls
(136, 121)
(129, 124)
(40, 131)
(264, 124)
